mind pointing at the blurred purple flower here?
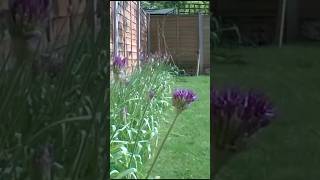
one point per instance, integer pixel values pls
(29, 11)
(119, 63)
(227, 102)
(257, 106)
(242, 113)
(182, 98)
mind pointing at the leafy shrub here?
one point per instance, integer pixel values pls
(237, 114)
(137, 107)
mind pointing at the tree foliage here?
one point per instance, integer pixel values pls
(168, 4)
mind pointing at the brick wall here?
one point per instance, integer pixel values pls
(127, 33)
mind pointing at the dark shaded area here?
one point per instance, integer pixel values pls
(259, 21)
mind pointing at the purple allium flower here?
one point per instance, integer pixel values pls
(119, 63)
(182, 98)
(227, 101)
(29, 11)
(118, 66)
(239, 113)
(257, 106)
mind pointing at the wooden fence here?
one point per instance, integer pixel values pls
(128, 31)
(185, 37)
(260, 21)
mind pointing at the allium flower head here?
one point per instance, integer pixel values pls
(226, 102)
(257, 106)
(244, 112)
(182, 98)
(119, 63)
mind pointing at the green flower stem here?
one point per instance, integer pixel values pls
(137, 136)
(140, 124)
(161, 145)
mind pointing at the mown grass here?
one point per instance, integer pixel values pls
(288, 148)
(186, 153)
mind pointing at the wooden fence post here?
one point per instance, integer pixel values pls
(283, 14)
(138, 34)
(115, 28)
(200, 51)
(149, 33)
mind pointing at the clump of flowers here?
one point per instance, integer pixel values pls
(157, 57)
(238, 114)
(119, 65)
(181, 100)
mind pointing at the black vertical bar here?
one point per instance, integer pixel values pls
(212, 12)
(105, 27)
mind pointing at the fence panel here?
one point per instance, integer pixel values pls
(179, 36)
(144, 31)
(206, 42)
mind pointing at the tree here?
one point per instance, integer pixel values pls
(169, 4)
(159, 4)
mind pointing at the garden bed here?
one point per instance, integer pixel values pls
(142, 109)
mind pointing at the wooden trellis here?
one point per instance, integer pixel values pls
(185, 37)
(194, 8)
(128, 31)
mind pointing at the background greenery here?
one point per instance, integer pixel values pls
(168, 4)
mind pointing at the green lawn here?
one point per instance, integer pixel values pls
(288, 148)
(186, 153)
